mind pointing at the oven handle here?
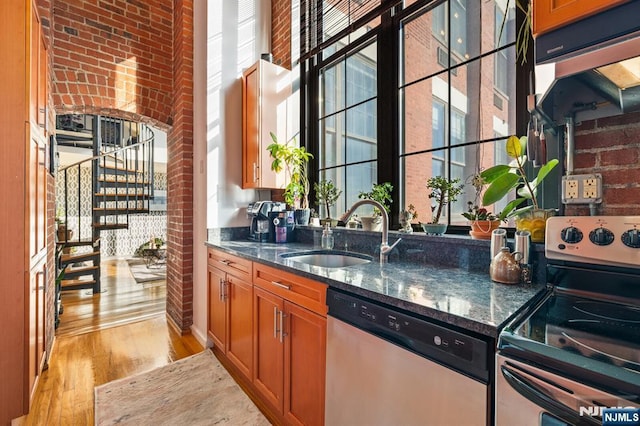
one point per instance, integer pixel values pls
(531, 392)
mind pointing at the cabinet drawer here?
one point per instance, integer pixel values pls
(299, 290)
(237, 266)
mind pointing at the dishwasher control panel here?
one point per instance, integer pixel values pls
(437, 342)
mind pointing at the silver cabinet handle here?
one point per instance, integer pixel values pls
(275, 322)
(282, 333)
(225, 261)
(279, 284)
(222, 284)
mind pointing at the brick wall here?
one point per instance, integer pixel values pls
(281, 32)
(180, 174)
(114, 55)
(134, 59)
(611, 147)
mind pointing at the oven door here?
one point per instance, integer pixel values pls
(527, 395)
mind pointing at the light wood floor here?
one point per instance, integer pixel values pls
(101, 338)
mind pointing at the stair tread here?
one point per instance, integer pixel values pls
(68, 283)
(111, 225)
(66, 258)
(72, 270)
(122, 195)
(113, 180)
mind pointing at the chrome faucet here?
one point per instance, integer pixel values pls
(385, 248)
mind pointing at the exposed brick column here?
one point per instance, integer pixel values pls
(281, 32)
(180, 174)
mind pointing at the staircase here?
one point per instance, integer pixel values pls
(100, 192)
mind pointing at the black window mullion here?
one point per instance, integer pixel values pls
(387, 110)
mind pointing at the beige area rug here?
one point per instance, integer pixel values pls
(143, 273)
(192, 391)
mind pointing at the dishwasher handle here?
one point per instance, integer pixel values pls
(532, 393)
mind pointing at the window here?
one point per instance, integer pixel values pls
(348, 123)
(440, 82)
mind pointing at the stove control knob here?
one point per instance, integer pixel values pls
(571, 235)
(601, 237)
(631, 238)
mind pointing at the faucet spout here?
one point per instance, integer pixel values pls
(384, 245)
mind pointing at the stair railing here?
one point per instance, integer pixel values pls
(103, 174)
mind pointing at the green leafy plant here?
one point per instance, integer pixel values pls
(502, 179)
(294, 159)
(442, 191)
(474, 212)
(380, 192)
(327, 194)
(525, 32)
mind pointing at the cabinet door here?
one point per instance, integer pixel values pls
(268, 357)
(239, 298)
(217, 309)
(251, 130)
(304, 360)
(552, 14)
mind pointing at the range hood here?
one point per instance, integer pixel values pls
(601, 53)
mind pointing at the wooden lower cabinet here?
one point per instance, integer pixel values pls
(289, 361)
(304, 361)
(217, 309)
(271, 326)
(230, 313)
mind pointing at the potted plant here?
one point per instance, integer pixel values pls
(294, 159)
(406, 216)
(442, 192)
(502, 179)
(381, 193)
(327, 194)
(482, 221)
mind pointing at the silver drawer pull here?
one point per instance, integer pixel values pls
(282, 333)
(279, 284)
(225, 261)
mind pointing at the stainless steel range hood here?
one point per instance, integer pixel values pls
(601, 53)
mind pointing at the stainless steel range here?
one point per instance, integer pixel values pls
(577, 352)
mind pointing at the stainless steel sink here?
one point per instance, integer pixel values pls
(328, 258)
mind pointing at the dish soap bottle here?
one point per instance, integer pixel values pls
(327, 237)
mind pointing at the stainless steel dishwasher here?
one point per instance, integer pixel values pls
(387, 367)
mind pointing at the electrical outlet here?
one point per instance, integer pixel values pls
(590, 188)
(571, 189)
(582, 189)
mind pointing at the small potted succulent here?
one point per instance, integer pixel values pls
(442, 192)
(327, 194)
(381, 193)
(481, 220)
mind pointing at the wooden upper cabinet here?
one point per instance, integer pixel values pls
(267, 106)
(552, 14)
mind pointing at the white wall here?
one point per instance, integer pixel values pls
(227, 41)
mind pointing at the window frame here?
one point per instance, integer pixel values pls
(389, 157)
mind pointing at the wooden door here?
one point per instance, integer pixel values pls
(217, 309)
(239, 298)
(268, 360)
(552, 14)
(304, 360)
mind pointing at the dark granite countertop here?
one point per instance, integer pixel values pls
(465, 299)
